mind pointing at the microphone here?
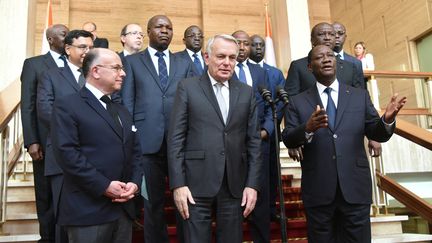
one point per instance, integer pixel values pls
(266, 94)
(282, 94)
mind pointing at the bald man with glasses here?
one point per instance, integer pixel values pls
(131, 37)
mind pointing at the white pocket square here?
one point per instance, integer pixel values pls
(134, 128)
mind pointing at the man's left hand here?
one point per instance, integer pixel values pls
(393, 108)
(374, 148)
(249, 199)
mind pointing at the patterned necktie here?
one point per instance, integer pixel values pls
(331, 109)
(162, 68)
(112, 110)
(63, 58)
(81, 79)
(242, 75)
(197, 63)
(221, 101)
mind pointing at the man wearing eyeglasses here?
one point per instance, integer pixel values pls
(193, 40)
(98, 42)
(131, 37)
(55, 83)
(95, 145)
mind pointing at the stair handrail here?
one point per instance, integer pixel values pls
(11, 139)
(415, 203)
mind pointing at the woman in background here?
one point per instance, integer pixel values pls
(366, 58)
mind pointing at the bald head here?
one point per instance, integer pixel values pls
(55, 36)
(323, 34)
(257, 50)
(160, 32)
(243, 41)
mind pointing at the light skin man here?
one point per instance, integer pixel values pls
(131, 38)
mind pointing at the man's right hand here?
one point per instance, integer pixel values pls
(317, 120)
(181, 197)
(115, 190)
(35, 151)
(296, 153)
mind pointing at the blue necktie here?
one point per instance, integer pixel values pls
(242, 75)
(163, 72)
(197, 63)
(63, 58)
(331, 109)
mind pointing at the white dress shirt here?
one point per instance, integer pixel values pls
(57, 58)
(224, 90)
(74, 70)
(199, 56)
(248, 75)
(155, 59)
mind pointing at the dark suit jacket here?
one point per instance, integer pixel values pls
(100, 42)
(55, 83)
(92, 152)
(201, 147)
(357, 64)
(149, 104)
(259, 79)
(33, 67)
(275, 79)
(300, 78)
(337, 156)
(185, 55)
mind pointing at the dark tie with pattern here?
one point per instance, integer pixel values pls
(331, 109)
(112, 110)
(162, 68)
(63, 58)
(81, 79)
(197, 63)
(242, 75)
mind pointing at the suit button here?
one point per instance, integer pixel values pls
(222, 153)
(333, 157)
(334, 135)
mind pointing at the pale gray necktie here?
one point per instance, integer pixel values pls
(221, 101)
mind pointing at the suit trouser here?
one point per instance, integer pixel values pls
(229, 218)
(339, 222)
(44, 203)
(56, 182)
(259, 220)
(155, 226)
(118, 231)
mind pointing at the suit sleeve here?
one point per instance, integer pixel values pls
(293, 135)
(177, 137)
(137, 162)
(28, 104)
(66, 146)
(128, 88)
(292, 83)
(374, 126)
(45, 98)
(253, 147)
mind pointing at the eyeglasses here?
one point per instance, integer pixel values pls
(195, 35)
(135, 33)
(83, 47)
(117, 68)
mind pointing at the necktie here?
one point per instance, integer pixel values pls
(338, 57)
(162, 68)
(112, 110)
(221, 101)
(81, 79)
(331, 108)
(63, 58)
(197, 63)
(242, 75)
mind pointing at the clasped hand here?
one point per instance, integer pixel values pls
(121, 192)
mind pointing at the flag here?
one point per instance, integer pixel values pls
(48, 22)
(269, 58)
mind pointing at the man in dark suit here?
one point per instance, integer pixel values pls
(255, 76)
(193, 40)
(340, 36)
(98, 42)
(214, 147)
(131, 37)
(95, 144)
(56, 83)
(34, 132)
(148, 93)
(275, 80)
(336, 183)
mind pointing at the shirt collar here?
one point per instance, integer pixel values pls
(213, 81)
(54, 54)
(153, 51)
(191, 53)
(261, 63)
(334, 86)
(126, 53)
(341, 53)
(96, 92)
(72, 66)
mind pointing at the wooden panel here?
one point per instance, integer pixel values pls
(319, 11)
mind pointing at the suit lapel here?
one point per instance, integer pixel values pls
(234, 92)
(172, 69)
(209, 93)
(100, 110)
(148, 63)
(313, 97)
(49, 61)
(66, 72)
(343, 100)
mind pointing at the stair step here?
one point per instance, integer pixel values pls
(21, 216)
(21, 207)
(385, 225)
(24, 226)
(21, 238)
(402, 238)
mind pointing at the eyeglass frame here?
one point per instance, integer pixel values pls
(117, 68)
(135, 33)
(201, 36)
(83, 47)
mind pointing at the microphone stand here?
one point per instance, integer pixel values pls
(283, 221)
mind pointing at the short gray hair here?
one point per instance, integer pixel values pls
(220, 36)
